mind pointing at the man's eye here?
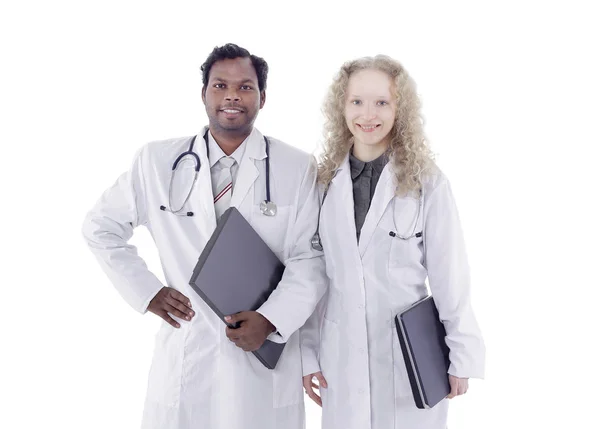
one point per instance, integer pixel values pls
(246, 87)
(219, 85)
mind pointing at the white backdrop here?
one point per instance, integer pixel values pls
(510, 96)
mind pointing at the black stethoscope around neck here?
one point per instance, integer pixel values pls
(267, 207)
(317, 244)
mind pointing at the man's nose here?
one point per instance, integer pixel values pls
(232, 95)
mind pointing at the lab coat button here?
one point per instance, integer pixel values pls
(361, 390)
(360, 306)
(361, 350)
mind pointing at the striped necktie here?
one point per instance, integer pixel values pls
(222, 192)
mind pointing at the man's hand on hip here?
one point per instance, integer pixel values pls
(169, 300)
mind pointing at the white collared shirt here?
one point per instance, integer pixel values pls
(216, 153)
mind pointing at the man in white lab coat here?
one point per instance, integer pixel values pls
(202, 373)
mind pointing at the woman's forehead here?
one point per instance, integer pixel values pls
(370, 82)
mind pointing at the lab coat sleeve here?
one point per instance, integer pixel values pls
(449, 280)
(304, 281)
(108, 227)
(310, 339)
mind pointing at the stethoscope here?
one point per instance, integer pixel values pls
(316, 243)
(413, 234)
(267, 207)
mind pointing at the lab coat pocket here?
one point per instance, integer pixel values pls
(272, 229)
(401, 382)
(164, 385)
(406, 252)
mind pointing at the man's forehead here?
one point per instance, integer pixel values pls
(234, 69)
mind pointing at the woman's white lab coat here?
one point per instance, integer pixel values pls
(371, 282)
(198, 378)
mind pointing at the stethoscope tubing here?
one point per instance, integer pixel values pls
(197, 165)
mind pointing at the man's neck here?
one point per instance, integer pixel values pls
(227, 141)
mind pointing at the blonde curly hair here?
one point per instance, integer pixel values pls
(408, 151)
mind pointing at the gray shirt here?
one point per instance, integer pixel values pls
(365, 176)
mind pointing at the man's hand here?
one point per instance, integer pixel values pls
(310, 386)
(458, 386)
(169, 300)
(253, 330)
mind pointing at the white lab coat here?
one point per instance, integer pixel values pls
(198, 378)
(354, 342)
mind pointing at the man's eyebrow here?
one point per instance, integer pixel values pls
(221, 79)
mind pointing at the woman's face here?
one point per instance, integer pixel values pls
(370, 107)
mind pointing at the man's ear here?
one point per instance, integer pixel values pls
(204, 94)
(263, 97)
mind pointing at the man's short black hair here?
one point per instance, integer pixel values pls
(231, 51)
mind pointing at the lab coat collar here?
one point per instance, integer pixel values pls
(253, 146)
(254, 149)
(342, 176)
(345, 167)
(209, 219)
(248, 172)
(340, 188)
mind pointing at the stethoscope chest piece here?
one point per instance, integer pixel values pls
(268, 208)
(315, 242)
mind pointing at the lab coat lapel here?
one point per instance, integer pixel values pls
(248, 173)
(341, 189)
(384, 193)
(204, 183)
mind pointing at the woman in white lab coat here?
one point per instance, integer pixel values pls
(388, 226)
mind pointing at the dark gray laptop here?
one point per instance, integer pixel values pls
(236, 272)
(426, 355)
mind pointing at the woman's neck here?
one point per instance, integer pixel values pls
(367, 153)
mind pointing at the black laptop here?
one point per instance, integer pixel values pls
(236, 272)
(426, 356)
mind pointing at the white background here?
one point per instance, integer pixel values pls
(511, 100)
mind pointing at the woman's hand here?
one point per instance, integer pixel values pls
(458, 386)
(310, 386)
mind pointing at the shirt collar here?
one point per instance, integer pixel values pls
(380, 163)
(357, 166)
(216, 153)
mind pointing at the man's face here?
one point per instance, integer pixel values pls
(231, 97)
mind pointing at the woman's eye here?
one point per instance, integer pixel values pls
(382, 103)
(356, 102)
